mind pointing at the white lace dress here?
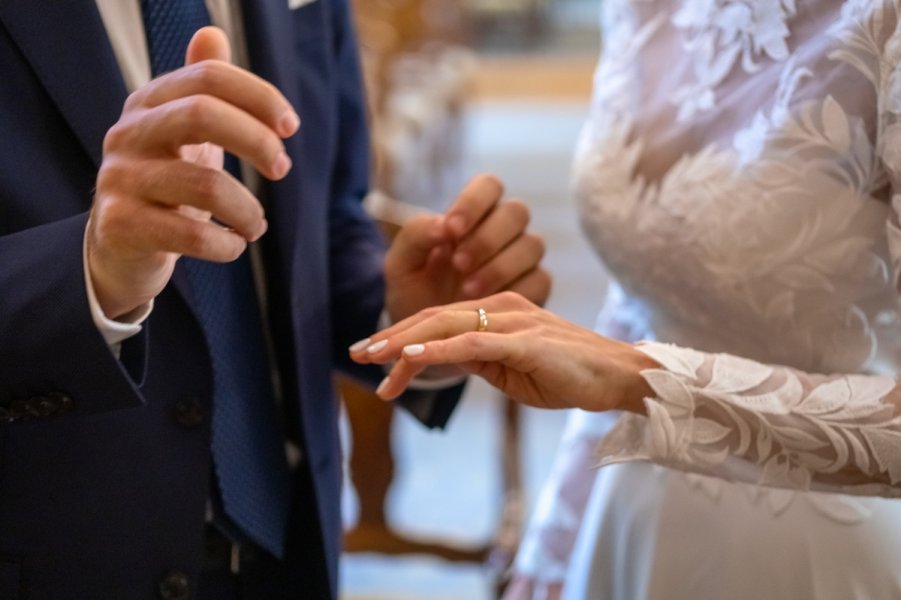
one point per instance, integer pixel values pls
(740, 174)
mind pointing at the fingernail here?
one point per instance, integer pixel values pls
(462, 261)
(457, 224)
(383, 385)
(281, 166)
(472, 288)
(414, 349)
(377, 346)
(289, 123)
(358, 346)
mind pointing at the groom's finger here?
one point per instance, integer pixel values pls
(173, 182)
(208, 43)
(164, 129)
(474, 203)
(417, 241)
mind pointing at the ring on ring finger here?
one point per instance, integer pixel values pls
(483, 320)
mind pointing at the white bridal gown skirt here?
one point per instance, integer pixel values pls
(650, 532)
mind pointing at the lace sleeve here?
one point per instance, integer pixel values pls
(723, 415)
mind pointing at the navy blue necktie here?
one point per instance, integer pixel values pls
(248, 451)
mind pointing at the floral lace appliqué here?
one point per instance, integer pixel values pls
(796, 431)
(719, 32)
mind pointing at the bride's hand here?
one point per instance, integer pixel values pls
(529, 353)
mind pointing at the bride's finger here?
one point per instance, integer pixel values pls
(364, 350)
(358, 350)
(397, 380)
(467, 348)
(441, 325)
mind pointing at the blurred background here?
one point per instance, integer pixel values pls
(457, 88)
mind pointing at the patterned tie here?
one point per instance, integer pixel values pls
(248, 452)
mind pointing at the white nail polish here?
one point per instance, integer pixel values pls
(377, 346)
(357, 346)
(414, 349)
(383, 385)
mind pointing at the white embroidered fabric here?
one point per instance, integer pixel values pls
(740, 174)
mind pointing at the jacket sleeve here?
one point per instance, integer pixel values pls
(53, 360)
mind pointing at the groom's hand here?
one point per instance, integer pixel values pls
(161, 189)
(480, 246)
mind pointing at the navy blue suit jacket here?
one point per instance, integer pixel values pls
(103, 477)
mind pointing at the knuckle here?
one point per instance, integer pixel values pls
(431, 311)
(472, 339)
(112, 174)
(133, 100)
(208, 73)
(111, 218)
(514, 299)
(115, 137)
(445, 321)
(196, 239)
(196, 109)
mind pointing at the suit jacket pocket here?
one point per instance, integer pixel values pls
(10, 577)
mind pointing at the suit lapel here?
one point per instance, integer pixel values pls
(67, 46)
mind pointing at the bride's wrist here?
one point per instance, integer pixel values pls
(636, 387)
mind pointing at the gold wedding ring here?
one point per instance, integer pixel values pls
(483, 320)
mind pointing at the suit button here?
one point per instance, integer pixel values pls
(174, 586)
(63, 403)
(33, 406)
(18, 409)
(41, 406)
(189, 413)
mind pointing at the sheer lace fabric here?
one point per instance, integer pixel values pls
(788, 238)
(740, 174)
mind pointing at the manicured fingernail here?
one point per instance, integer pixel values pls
(383, 385)
(289, 123)
(457, 224)
(462, 261)
(359, 346)
(377, 346)
(281, 166)
(414, 349)
(472, 288)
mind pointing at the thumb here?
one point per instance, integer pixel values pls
(208, 43)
